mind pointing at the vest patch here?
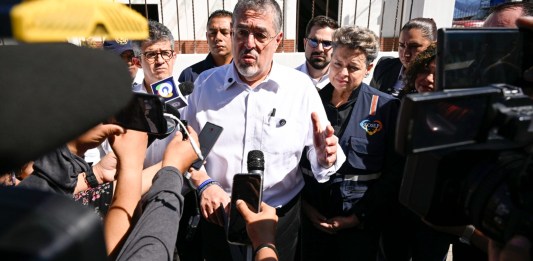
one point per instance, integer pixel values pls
(371, 126)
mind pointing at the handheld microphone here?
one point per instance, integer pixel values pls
(167, 89)
(186, 88)
(256, 162)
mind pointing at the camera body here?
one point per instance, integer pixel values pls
(468, 150)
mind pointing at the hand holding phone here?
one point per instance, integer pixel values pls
(249, 188)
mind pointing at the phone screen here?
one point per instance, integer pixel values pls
(207, 139)
(143, 113)
(248, 187)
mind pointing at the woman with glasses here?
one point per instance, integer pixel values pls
(342, 216)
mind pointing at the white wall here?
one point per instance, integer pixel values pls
(290, 59)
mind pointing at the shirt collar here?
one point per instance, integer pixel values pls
(269, 83)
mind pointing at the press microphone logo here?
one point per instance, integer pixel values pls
(167, 89)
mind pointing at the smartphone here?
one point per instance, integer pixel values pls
(248, 187)
(477, 57)
(207, 139)
(145, 112)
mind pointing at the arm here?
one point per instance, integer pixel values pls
(130, 149)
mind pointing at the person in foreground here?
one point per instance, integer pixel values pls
(344, 215)
(261, 228)
(263, 106)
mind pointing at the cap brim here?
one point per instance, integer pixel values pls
(52, 93)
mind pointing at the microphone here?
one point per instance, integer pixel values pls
(172, 95)
(256, 162)
(186, 88)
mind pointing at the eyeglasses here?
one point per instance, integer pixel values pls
(314, 43)
(165, 54)
(261, 38)
(129, 57)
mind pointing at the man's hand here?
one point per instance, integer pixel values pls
(214, 202)
(93, 137)
(341, 222)
(317, 219)
(325, 142)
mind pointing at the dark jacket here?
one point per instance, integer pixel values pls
(386, 74)
(190, 73)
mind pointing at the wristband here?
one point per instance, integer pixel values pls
(211, 182)
(202, 185)
(266, 245)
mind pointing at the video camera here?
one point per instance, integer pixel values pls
(469, 150)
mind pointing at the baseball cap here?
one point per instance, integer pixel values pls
(118, 46)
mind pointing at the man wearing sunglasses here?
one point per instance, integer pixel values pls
(317, 46)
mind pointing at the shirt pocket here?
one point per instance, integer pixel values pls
(365, 155)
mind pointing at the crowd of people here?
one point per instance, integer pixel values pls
(331, 176)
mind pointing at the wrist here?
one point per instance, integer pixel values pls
(266, 247)
(467, 234)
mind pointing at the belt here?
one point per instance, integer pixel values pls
(365, 177)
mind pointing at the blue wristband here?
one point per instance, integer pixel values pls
(201, 186)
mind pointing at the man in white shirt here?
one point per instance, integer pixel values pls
(317, 46)
(262, 106)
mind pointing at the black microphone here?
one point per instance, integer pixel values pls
(186, 88)
(256, 162)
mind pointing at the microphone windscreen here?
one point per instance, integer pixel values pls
(186, 88)
(53, 93)
(256, 160)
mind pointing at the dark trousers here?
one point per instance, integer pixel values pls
(189, 249)
(407, 237)
(348, 244)
(216, 247)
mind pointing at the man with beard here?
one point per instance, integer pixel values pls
(317, 46)
(259, 106)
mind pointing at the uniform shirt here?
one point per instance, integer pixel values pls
(319, 84)
(274, 117)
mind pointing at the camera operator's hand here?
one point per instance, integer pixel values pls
(180, 153)
(93, 137)
(516, 249)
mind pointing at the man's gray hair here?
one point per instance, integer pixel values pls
(260, 6)
(157, 32)
(356, 37)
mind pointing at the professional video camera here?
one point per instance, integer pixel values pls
(469, 150)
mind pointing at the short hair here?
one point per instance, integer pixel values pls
(527, 8)
(157, 32)
(356, 37)
(219, 13)
(260, 6)
(418, 65)
(321, 21)
(426, 25)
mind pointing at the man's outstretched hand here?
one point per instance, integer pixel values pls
(325, 142)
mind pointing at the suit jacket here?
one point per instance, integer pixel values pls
(386, 74)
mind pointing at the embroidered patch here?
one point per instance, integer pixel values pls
(371, 126)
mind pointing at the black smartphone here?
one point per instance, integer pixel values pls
(145, 112)
(207, 139)
(248, 187)
(477, 57)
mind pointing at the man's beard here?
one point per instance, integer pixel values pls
(318, 64)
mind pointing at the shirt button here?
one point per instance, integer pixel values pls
(230, 80)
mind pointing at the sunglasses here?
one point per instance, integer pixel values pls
(315, 42)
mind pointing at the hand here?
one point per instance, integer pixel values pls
(180, 153)
(93, 137)
(525, 22)
(317, 219)
(261, 227)
(214, 202)
(106, 168)
(325, 142)
(130, 148)
(341, 222)
(516, 249)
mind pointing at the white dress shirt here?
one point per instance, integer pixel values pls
(246, 115)
(320, 83)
